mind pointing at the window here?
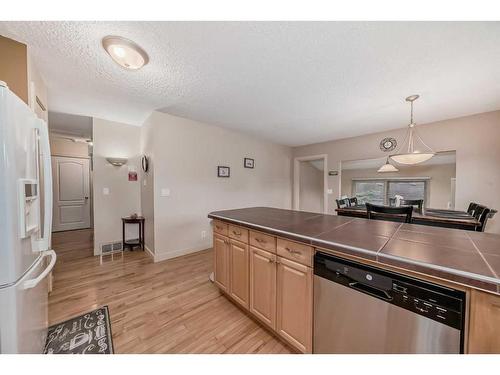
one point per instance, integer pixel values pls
(407, 189)
(369, 192)
(379, 191)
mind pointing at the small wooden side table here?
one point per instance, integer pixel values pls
(137, 241)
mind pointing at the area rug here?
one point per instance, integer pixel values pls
(89, 333)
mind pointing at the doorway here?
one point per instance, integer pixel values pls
(310, 184)
(71, 197)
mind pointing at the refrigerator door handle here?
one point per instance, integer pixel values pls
(43, 243)
(28, 284)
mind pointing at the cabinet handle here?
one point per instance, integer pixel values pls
(291, 251)
(236, 233)
(260, 240)
(219, 228)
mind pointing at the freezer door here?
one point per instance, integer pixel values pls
(24, 312)
(22, 139)
(349, 322)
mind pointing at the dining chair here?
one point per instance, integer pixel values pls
(481, 213)
(416, 203)
(342, 203)
(402, 213)
(353, 201)
(472, 207)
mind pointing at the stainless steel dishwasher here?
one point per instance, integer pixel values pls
(362, 309)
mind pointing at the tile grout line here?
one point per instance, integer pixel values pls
(390, 238)
(482, 256)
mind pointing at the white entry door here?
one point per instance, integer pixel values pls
(71, 193)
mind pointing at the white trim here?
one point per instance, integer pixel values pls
(296, 179)
(160, 257)
(149, 252)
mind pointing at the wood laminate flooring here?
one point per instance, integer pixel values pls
(165, 307)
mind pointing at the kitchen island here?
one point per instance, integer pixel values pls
(264, 262)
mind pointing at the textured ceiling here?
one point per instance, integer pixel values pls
(292, 83)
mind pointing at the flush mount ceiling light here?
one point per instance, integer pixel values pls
(414, 150)
(125, 52)
(387, 167)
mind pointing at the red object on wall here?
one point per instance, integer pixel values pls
(132, 176)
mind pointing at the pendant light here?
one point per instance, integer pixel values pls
(413, 150)
(387, 167)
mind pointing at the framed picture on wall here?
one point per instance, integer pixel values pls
(223, 171)
(248, 163)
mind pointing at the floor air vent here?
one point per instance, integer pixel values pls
(111, 246)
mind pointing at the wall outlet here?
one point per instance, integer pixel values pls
(330, 191)
(105, 191)
(165, 192)
(203, 234)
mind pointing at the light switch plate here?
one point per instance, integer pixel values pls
(144, 182)
(165, 192)
(105, 191)
(330, 191)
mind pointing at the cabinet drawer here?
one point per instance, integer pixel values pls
(238, 233)
(295, 251)
(263, 241)
(220, 227)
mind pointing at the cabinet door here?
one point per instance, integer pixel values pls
(238, 272)
(484, 331)
(263, 286)
(221, 262)
(294, 304)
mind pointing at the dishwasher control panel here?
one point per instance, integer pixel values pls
(428, 303)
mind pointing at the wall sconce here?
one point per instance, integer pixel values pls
(117, 162)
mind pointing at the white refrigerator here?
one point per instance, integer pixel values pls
(25, 226)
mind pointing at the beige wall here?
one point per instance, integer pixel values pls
(66, 147)
(186, 155)
(14, 66)
(311, 183)
(438, 189)
(112, 139)
(476, 140)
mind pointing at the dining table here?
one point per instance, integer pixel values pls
(428, 216)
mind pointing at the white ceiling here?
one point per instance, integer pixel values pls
(290, 82)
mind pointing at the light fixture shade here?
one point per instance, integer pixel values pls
(117, 162)
(414, 149)
(387, 167)
(125, 52)
(412, 158)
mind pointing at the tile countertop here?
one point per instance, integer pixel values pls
(465, 257)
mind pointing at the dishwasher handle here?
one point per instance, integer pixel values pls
(372, 291)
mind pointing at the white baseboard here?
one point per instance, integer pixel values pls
(159, 257)
(149, 252)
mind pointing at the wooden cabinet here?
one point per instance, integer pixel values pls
(220, 227)
(221, 262)
(294, 304)
(484, 323)
(238, 272)
(238, 233)
(295, 251)
(276, 290)
(263, 286)
(263, 241)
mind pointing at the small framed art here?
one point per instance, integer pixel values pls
(248, 163)
(223, 171)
